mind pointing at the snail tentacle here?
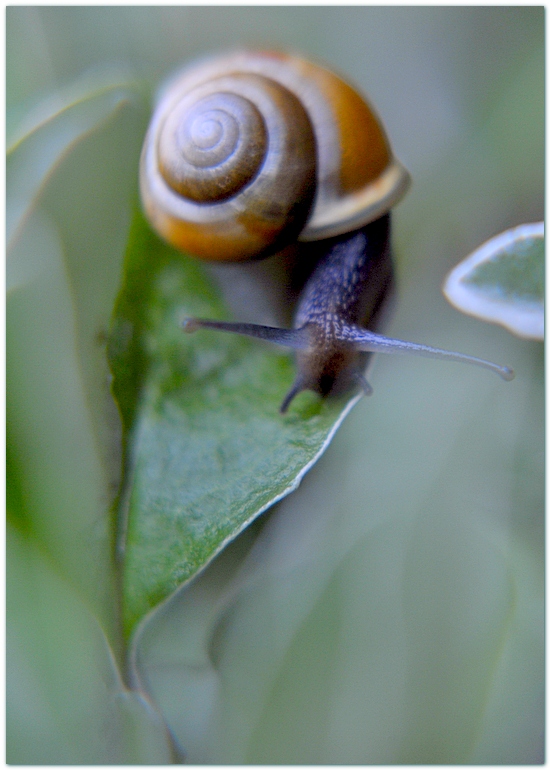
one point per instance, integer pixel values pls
(370, 342)
(365, 386)
(299, 384)
(298, 339)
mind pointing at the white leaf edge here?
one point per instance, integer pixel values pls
(525, 319)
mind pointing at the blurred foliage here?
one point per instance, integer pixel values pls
(503, 281)
(519, 271)
(391, 610)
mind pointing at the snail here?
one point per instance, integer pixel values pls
(249, 152)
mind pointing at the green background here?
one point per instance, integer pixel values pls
(389, 611)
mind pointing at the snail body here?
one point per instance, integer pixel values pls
(250, 152)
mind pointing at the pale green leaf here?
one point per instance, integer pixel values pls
(49, 131)
(503, 281)
(66, 702)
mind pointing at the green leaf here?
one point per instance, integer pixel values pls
(515, 272)
(66, 701)
(207, 450)
(71, 173)
(503, 281)
(51, 444)
(50, 130)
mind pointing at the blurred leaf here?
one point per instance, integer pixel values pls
(63, 264)
(511, 725)
(66, 703)
(138, 732)
(503, 281)
(515, 273)
(49, 130)
(207, 448)
(61, 481)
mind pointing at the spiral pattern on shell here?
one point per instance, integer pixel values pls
(211, 146)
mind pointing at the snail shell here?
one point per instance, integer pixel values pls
(249, 151)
